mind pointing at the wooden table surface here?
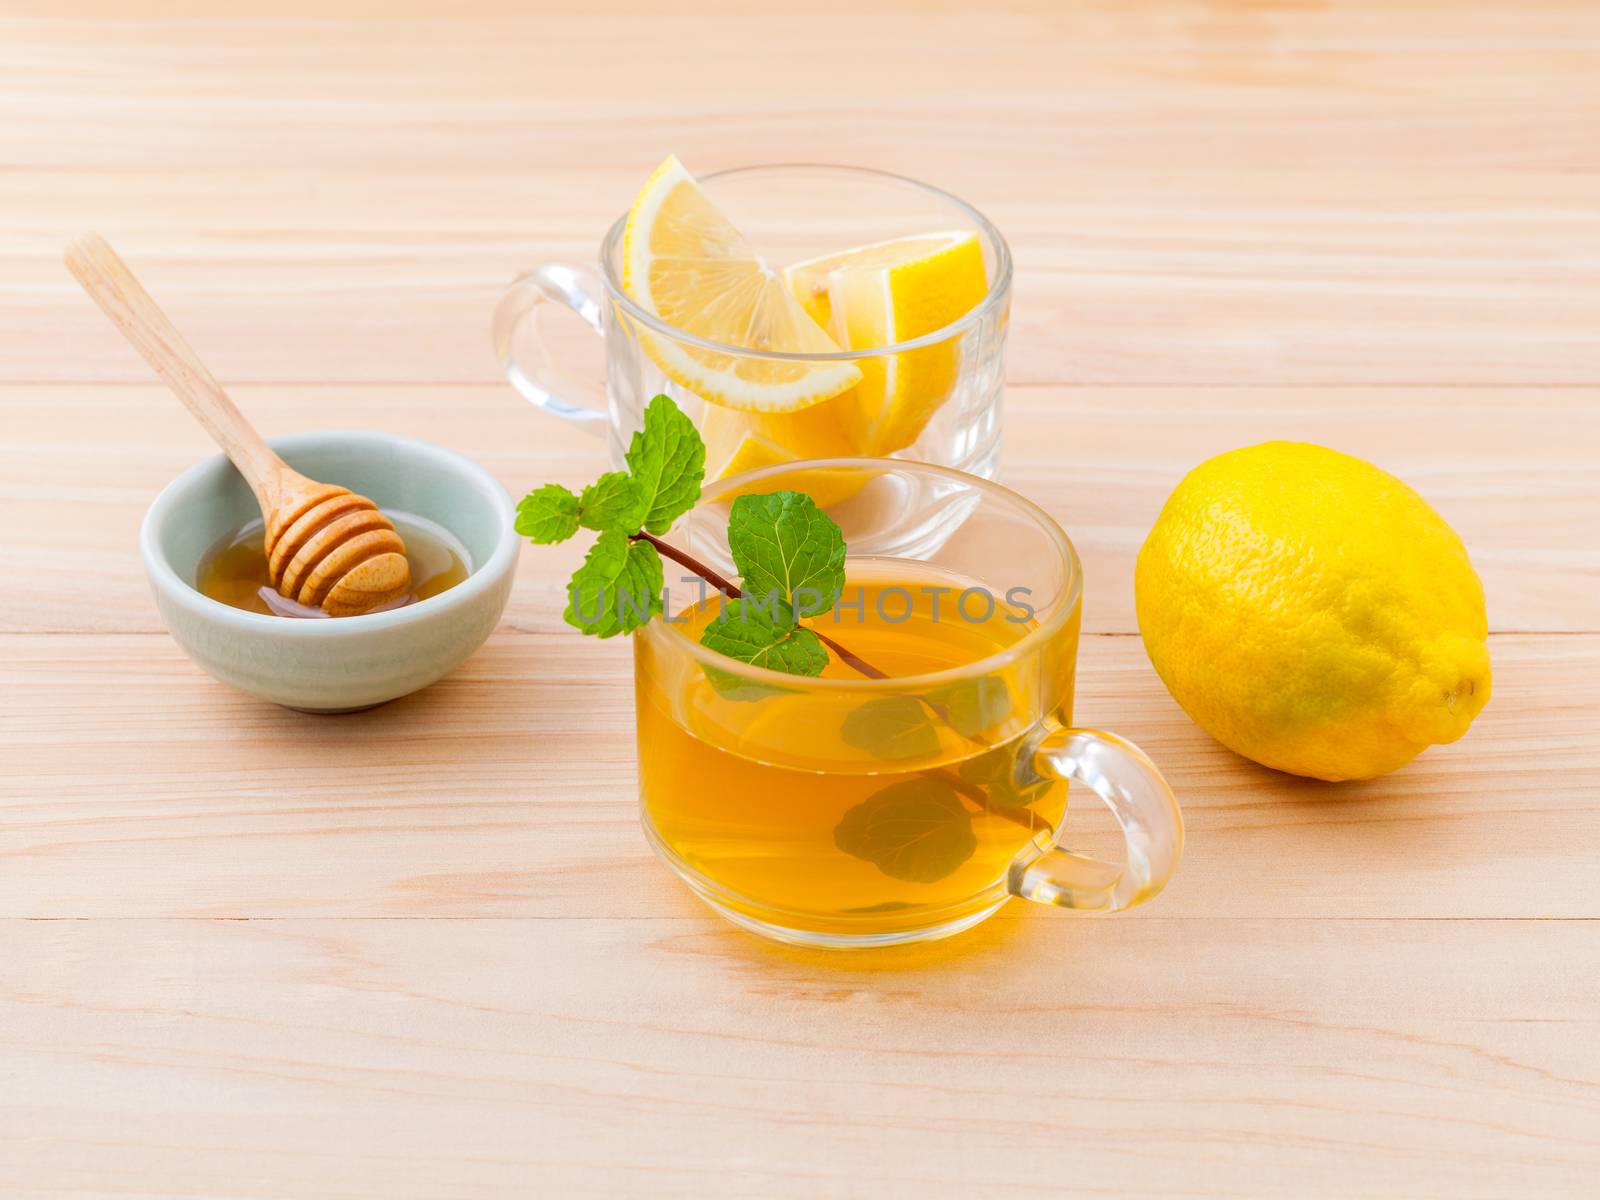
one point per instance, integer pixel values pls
(424, 951)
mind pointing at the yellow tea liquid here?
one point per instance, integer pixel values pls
(234, 571)
(860, 809)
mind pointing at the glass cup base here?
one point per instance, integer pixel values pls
(721, 901)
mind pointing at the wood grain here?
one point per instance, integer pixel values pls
(1218, 192)
(424, 950)
(663, 1056)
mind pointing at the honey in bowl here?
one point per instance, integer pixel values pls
(234, 571)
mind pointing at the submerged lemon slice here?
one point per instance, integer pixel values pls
(890, 292)
(684, 261)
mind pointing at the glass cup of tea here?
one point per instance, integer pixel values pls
(921, 781)
(933, 398)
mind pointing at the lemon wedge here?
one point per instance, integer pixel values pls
(890, 292)
(683, 261)
(742, 441)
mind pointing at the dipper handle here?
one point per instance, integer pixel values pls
(132, 310)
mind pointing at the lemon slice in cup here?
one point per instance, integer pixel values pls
(890, 292)
(683, 261)
(738, 442)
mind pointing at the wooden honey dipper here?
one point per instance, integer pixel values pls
(327, 547)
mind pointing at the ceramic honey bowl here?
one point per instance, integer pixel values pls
(345, 663)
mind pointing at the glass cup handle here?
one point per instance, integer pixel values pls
(1124, 777)
(527, 360)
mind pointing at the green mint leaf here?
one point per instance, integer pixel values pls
(891, 728)
(765, 636)
(998, 774)
(667, 460)
(617, 589)
(612, 502)
(901, 727)
(784, 545)
(917, 830)
(973, 705)
(548, 514)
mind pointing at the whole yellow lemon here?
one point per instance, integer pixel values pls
(1312, 612)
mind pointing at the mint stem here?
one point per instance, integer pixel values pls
(973, 794)
(730, 589)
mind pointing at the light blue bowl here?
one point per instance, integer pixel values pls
(351, 662)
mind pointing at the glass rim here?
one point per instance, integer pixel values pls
(992, 299)
(1060, 613)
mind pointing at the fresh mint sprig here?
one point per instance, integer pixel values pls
(549, 514)
(614, 502)
(667, 459)
(765, 636)
(618, 587)
(785, 546)
(790, 554)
